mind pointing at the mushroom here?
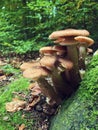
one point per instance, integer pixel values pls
(60, 64)
(72, 50)
(68, 33)
(65, 66)
(52, 50)
(54, 63)
(83, 43)
(61, 77)
(82, 73)
(60, 85)
(47, 51)
(39, 74)
(69, 41)
(60, 39)
(27, 65)
(48, 61)
(61, 50)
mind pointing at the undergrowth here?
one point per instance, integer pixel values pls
(9, 69)
(13, 119)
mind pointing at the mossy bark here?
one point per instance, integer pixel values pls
(80, 112)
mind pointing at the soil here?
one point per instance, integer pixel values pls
(41, 114)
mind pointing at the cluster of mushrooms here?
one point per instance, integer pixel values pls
(58, 70)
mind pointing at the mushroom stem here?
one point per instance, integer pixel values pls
(82, 55)
(48, 90)
(61, 86)
(82, 73)
(72, 54)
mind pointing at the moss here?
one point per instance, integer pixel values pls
(80, 111)
(13, 119)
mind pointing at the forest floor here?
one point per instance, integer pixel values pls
(36, 111)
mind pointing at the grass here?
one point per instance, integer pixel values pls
(14, 119)
(9, 69)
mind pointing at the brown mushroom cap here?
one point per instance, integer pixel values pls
(83, 39)
(60, 39)
(51, 50)
(65, 63)
(68, 32)
(36, 72)
(47, 50)
(27, 65)
(68, 41)
(48, 61)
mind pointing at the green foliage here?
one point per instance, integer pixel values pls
(8, 69)
(21, 47)
(80, 111)
(26, 24)
(94, 62)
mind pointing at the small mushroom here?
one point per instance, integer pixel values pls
(27, 65)
(48, 61)
(47, 51)
(39, 74)
(83, 43)
(52, 50)
(84, 40)
(65, 66)
(82, 73)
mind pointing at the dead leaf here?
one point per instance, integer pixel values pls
(27, 108)
(23, 116)
(31, 86)
(1, 72)
(5, 118)
(35, 101)
(2, 63)
(22, 127)
(19, 94)
(15, 105)
(36, 90)
(15, 62)
(3, 77)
